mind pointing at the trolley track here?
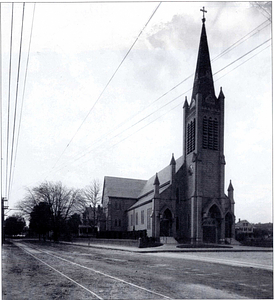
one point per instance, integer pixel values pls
(101, 285)
(112, 274)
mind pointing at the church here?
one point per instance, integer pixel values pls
(185, 200)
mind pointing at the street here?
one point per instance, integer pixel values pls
(58, 271)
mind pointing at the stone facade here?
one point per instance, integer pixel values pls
(185, 200)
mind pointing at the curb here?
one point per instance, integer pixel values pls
(188, 250)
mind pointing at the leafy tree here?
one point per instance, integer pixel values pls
(14, 225)
(92, 194)
(41, 219)
(63, 203)
(260, 233)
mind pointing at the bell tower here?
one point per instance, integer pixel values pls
(204, 145)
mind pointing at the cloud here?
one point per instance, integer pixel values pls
(179, 33)
(156, 56)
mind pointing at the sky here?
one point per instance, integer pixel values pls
(97, 89)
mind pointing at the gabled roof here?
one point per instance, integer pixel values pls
(141, 190)
(163, 176)
(122, 187)
(240, 223)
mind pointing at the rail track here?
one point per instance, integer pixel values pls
(125, 289)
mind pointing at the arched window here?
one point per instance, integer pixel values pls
(205, 133)
(191, 136)
(210, 133)
(215, 134)
(142, 217)
(188, 138)
(149, 218)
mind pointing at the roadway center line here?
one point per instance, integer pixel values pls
(75, 282)
(106, 275)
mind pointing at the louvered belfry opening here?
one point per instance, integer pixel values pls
(191, 131)
(210, 133)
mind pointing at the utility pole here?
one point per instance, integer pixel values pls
(3, 217)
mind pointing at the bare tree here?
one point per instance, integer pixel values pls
(92, 194)
(28, 203)
(63, 202)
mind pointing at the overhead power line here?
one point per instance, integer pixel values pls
(8, 121)
(243, 62)
(268, 14)
(242, 39)
(166, 104)
(16, 98)
(1, 105)
(109, 81)
(177, 104)
(23, 96)
(130, 118)
(242, 56)
(237, 43)
(172, 107)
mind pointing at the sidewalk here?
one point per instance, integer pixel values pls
(168, 248)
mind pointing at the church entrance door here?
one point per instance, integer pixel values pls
(212, 226)
(210, 231)
(166, 223)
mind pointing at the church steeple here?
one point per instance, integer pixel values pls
(203, 80)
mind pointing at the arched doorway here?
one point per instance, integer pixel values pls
(212, 225)
(228, 225)
(166, 223)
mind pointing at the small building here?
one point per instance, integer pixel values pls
(119, 194)
(244, 228)
(85, 230)
(93, 217)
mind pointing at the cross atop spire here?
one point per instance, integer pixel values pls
(203, 80)
(204, 11)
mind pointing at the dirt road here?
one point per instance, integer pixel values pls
(55, 271)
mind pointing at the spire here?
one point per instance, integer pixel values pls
(230, 187)
(203, 80)
(173, 169)
(221, 95)
(173, 162)
(231, 195)
(156, 186)
(156, 180)
(185, 103)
